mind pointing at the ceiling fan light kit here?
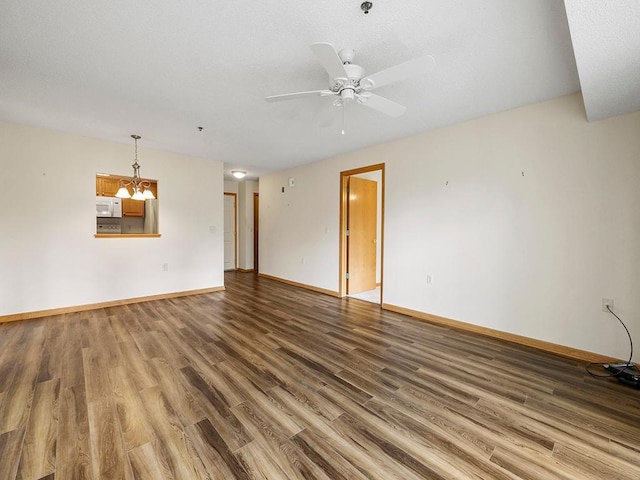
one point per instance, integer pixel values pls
(348, 81)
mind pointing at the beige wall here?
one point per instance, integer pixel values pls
(49, 257)
(524, 220)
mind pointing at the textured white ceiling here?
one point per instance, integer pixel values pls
(161, 69)
(606, 40)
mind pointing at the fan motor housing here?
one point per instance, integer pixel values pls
(354, 72)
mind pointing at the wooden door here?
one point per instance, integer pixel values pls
(362, 208)
(230, 252)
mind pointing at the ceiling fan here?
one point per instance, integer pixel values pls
(348, 82)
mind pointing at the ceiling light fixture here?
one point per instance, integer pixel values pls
(238, 173)
(140, 187)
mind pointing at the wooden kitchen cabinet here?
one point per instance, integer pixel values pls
(132, 208)
(107, 186)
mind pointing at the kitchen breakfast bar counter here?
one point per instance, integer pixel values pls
(126, 235)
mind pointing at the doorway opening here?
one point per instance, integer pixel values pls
(362, 233)
(230, 231)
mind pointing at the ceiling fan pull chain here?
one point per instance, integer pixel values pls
(343, 107)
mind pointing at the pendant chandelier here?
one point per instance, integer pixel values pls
(141, 188)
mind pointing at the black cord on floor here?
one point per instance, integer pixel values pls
(629, 364)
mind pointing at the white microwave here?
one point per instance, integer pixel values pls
(108, 207)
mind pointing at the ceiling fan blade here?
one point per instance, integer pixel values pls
(292, 96)
(412, 68)
(381, 104)
(329, 59)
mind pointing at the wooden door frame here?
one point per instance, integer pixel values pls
(256, 224)
(235, 229)
(344, 176)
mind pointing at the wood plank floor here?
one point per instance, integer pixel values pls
(266, 381)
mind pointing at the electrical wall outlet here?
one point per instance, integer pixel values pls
(165, 267)
(429, 279)
(607, 302)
